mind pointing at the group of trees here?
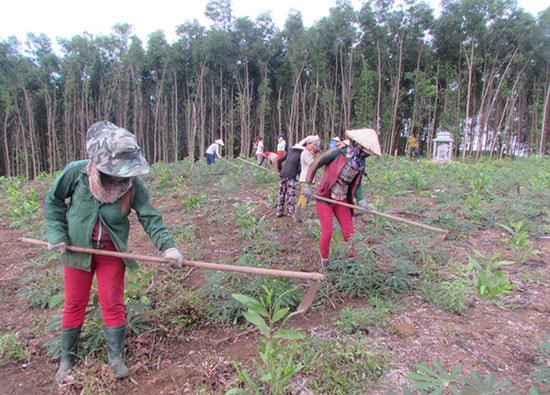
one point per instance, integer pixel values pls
(480, 70)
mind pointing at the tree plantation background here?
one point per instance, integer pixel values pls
(481, 70)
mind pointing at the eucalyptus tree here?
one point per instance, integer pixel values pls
(78, 68)
(45, 106)
(409, 27)
(290, 76)
(542, 65)
(191, 55)
(251, 41)
(490, 44)
(136, 70)
(12, 66)
(158, 91)
(266, 47)
(333, 40)
(220, 76)
(375, 54)
(20, 96)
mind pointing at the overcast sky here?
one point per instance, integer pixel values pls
(66, 18)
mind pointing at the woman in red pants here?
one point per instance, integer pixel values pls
(88, 206)
(341, 182)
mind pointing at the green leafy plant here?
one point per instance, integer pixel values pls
(417, 180)
(450, 295)
(12, 348)
(362, 276)
(248, 224)
(518, 241)
(193, 202)
(435, 379)
(22, 206)
(277, 365)
(42, 284)
(348, 363)
(474, 207)
(488, 386)
(542, 372)
(489, 281)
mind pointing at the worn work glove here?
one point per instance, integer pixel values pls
(365, 206)
(175, 255)
(60, 248)
(307, 191)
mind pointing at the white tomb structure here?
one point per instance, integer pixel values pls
(443, 147)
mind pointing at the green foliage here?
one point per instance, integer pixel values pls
(518, 241)
(451, 295)
(542, 372)
(263, 177)
(474, 206)
(222, 285)
(12, 348)
(247, 223)
(362, 276)
(352, 320)
(42, 283)
(177, 309)
(477, 385)
(416, 179)
(437, 380)
(489, 282)
(22, 206)
(343, 364)
(277, 365)
(193, 202)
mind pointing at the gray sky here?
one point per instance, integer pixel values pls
(66, 18)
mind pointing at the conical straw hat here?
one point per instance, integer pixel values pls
(367, 138)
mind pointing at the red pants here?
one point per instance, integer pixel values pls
(109, 273)
(325, 211)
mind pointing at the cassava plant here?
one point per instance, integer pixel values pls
(489, 281)
(277, 365)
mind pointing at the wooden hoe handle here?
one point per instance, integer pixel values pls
(204, 265)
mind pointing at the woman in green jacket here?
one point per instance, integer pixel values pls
(88, 206)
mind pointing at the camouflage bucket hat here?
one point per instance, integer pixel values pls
(115, 151)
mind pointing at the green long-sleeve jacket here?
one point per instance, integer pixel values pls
(71, 212)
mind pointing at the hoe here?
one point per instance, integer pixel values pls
(304, 304)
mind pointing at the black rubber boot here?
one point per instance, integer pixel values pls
(115, 337)
(69, 345)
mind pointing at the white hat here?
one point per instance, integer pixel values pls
(220, 142)
(309, 139)
(367, 139)
(298, 146)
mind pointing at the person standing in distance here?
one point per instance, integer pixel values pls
(412, 148)
(213, 149)
(259, 143)
(281, 149)
(287, 180)
(88, 206)
(306, 158)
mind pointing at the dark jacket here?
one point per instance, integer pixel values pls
(71, 212)
(292, 164)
